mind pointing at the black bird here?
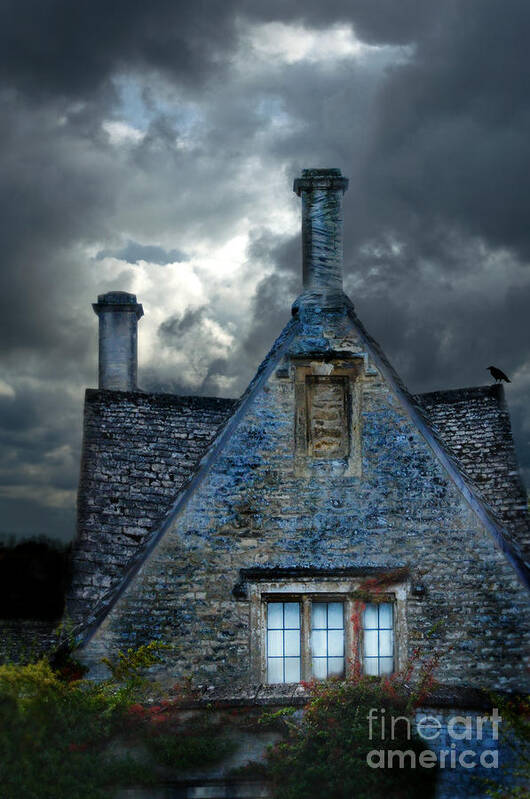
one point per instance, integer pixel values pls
(498, 375)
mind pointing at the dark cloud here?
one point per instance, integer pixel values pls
(432, 128)
(171, 330)
(39, 462)
(27, 518)
(63, 48)
(451, 145)
(134, 252)
(70, 49)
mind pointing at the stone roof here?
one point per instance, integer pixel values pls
(138, 451)
(474, 423)
(134, 479)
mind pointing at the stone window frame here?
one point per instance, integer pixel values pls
(334, 367)
(323, 590)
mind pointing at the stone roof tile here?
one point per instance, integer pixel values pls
(138, 451)
(474, 424)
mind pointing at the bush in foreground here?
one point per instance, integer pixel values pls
(57, 731)
(325, 754)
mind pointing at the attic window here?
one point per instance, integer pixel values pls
(327, 417)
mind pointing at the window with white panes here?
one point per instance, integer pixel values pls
(283, 642)
(312, 636)
(378, 638)
(327, 639)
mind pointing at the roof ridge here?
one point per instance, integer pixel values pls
(93, 392)
(490, 388)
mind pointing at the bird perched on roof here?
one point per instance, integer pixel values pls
(498, 374)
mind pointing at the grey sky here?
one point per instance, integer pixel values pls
(152, 147)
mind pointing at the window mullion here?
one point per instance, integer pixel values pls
(349, 643)
(306, 671)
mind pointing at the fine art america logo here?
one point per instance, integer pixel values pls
(449, 741)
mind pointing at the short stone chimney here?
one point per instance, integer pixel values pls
(322, 225)
(118, 314)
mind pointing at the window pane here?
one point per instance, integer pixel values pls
(386, 643)
(292, 642)
(385, 615)
(274, 643)
(292, 615)
(378, 638)
(274, 670)
(335, 615)
(320, 668)
(275, 615)
(370, 666)
(318, 619)
(370, 617)
(292, 669)
(318, 643)
(336, 643)
(370, 643)
(336, 667)
(386, 665)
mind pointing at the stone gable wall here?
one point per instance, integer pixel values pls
(252, 509)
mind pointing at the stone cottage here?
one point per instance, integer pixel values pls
(241, 531)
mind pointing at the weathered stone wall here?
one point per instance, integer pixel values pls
(253, 509)
(138, 450)
(469, 750)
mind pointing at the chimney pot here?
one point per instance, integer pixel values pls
(118, 314)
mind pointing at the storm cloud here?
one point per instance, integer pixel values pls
(151, 148)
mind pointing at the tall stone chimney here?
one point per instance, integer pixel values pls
(321, 191)
(118, 314)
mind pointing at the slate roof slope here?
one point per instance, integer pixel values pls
(508, 540)
(475, 425)
(138, 451)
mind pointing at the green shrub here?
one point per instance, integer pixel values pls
(54, 731)
(57, 731)
(515, 735)
(50, 733)
(325, 754)
(191, 748)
